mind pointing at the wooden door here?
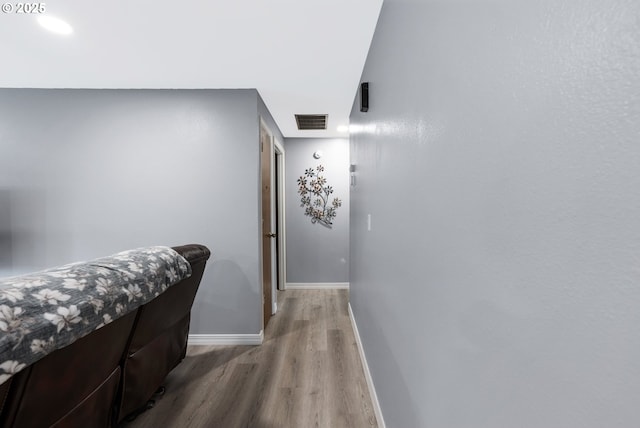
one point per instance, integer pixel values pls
(266, 148)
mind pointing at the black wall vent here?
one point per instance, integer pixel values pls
(311, 121)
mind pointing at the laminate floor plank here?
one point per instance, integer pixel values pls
(307, 373)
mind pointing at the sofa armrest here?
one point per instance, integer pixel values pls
(194, 253)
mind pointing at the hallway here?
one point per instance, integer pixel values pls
(307, 373)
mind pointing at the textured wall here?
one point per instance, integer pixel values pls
(499, 160)
(92, 172)
(317, 254)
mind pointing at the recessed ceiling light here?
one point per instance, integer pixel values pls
(54, 24)
(343, 128)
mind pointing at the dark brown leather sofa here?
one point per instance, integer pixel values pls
(101, 378)
(158, 342)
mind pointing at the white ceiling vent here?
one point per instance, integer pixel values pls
(311, 121)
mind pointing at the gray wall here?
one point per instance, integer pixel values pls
(500, 161)
(317, 254)
(92, 172)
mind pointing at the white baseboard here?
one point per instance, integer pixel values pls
(367, 374)
(226, 339)
(316, 285)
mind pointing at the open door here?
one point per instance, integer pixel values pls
(266, 160)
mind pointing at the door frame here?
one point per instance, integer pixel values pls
(265, 145)
(278, 259)
(280, 181)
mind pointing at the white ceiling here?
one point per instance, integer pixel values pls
(303, 56)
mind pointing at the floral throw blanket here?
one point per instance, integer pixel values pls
(48, 310)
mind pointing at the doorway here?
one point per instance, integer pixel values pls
(279, 211)
(273, 224)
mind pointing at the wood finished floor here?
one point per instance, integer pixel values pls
(307, 373)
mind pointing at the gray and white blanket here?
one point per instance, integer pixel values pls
(48, 310)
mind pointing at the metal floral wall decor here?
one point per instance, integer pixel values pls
(314, 197)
